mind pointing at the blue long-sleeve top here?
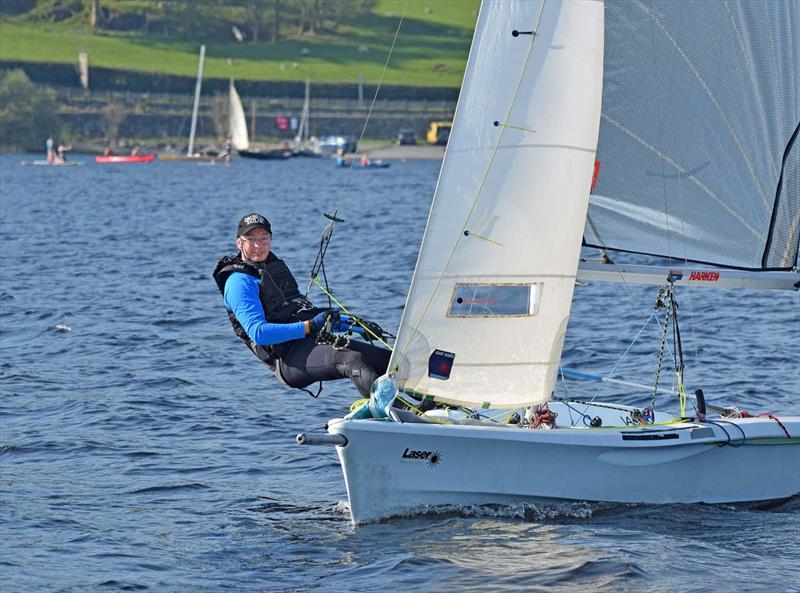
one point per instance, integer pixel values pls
(241, 297)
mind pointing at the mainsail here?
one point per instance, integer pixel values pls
(237, 122)
(488, 306)
(698, 151)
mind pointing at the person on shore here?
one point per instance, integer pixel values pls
(280, 325)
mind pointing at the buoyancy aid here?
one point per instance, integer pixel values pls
(279, 295)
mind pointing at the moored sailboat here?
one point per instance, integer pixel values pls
(705, 172)
(240, 139)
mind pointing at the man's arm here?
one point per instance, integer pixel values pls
(241, 297)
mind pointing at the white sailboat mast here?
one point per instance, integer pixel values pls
(198, 86)
(302, 130)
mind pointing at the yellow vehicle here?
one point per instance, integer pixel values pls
(439, 132)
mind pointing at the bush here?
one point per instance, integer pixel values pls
(27, 112)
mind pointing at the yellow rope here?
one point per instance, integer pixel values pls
(358, 403)
(344, 309)
(681, 393)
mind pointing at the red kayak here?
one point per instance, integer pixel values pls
(143, 158)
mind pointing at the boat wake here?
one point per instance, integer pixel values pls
(530, 512)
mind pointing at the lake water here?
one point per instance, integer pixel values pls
(143, 448)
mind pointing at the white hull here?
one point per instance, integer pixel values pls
(395, 468)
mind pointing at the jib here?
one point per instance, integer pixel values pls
(410, 454)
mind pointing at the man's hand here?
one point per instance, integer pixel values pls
(318, 322)
(343, 324)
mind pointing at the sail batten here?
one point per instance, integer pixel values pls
(488, 306)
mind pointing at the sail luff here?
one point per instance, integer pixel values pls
(492, 288)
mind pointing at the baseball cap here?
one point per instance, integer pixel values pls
(252, 221)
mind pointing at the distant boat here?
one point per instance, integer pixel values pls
(39, 163)
(190, 154)
(128, 158)
(240, 139)
(330, 145)
(266, 155)
(356, 164)
(304, 145)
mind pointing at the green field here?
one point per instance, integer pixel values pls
(431, 48)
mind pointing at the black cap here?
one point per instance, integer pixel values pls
(252, 221)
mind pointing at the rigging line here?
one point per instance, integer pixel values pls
(328, 231)
(415, 328)
(624, 354)
(711, 97)
(372, 104)
(355, 318)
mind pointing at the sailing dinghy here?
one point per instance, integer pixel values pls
(691, 110)
(240, 139)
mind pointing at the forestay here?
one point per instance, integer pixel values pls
(240, 140)
(489, 301)
(698, 150)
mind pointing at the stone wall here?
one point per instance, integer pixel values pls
(164, 116)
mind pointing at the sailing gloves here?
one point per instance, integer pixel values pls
(338, 323)
(343, 324)
(318, 322)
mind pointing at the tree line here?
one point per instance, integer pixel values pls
(253, 21)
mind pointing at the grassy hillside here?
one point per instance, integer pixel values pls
(431, 49)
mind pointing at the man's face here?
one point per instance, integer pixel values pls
(255, 244)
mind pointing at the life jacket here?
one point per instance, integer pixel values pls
(279, 295)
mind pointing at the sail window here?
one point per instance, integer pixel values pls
(495, 300)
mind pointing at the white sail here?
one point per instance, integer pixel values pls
(699, 151)
(493, 283)
(237, 124)
(302, 129)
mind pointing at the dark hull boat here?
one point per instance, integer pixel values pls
(267, 155)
